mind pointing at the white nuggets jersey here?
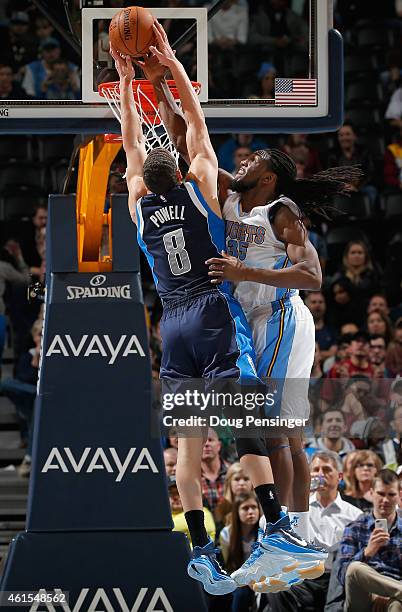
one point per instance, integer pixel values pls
(250, 238)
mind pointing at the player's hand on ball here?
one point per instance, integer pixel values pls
(225, 268)
(124, 65)
(152, 68)
(162, 50)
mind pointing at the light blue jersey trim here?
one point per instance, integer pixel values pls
(246, 360)
(141, 243)
(281, 359)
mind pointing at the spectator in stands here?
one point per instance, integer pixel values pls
(178, 517)
(328, 516)
(357, 362)
(278, 33)
(391, 78)
(349, 329)
(358, 403)
(342, 351)
(393, 358)
(359, 479)
(265, 87)
(304, 155)
(32, 238)
(237, 483)
(13, 269)
(396, 424)
(43, 29)
(17, 45)
(343, 306)
(22, 392)
(10, 89)
(61, 83)
(227, 34)
(227, 149)
(213, 471)
(170, 458)
(240, 154)
(378, 301)
(378, 350)
(358, 267)
(324, 335)
(37, 72)
(393, 162)
(349, 152)
(394, 110)
(331, 435)
(236, 541)
(371, 434)
(379, 323)
(370, 557)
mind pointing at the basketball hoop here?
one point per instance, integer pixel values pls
(147, 107)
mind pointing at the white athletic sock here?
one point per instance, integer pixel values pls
(300, 524)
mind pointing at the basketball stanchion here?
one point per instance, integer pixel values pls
(98, 523)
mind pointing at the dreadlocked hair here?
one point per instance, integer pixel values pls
(159, 171)
(313, 194)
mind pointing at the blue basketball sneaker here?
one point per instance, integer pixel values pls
(279, 538)
(260, 565)
(280, 558)
(205, 568)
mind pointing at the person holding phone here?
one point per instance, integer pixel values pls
(371, 552)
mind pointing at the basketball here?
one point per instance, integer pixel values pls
(130, 31)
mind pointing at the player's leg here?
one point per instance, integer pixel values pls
(282, 466)
(276, 339)
(178, 368)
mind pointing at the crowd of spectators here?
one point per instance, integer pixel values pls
(354, 441)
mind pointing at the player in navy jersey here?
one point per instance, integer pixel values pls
(204, 331)
(198, 335)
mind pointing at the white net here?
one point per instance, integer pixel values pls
(153, 128)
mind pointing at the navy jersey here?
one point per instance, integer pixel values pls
(178, 232)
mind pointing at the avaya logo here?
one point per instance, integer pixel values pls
(92, 459)
(96, 290)
(90, 601)
(97, 281)
(85, 346)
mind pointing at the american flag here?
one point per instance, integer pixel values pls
(295, 92)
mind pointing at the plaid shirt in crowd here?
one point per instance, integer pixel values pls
(387, 561)
(212, 490)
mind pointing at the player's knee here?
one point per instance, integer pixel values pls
(251, 446)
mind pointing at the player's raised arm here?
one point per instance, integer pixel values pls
(203, 161)
(131, 129)
(171, 113)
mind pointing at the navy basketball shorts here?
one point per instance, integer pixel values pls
(207, 336)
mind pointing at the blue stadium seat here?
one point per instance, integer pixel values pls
(55, 148)
(364, 93)
(392, 204)
(15, 149)
(358, 206)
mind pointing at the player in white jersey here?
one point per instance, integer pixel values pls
(268, 255)
(279, 550)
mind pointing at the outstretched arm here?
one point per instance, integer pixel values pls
(171, 114)
(304, 273)
(203, 162)
(173, 118)
(131, 129)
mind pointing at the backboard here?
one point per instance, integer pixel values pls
(265, 81)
